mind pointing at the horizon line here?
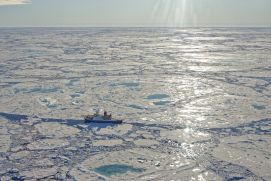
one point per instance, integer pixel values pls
(135, 27)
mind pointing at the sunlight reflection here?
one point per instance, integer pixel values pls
(192, 98)
(175, 13)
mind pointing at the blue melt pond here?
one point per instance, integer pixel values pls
(116, 169)
(43, 90)
(137, 106)
(259, 107)
(38, 89)
(77, 94)
(161, 103)
(157, 96)
(72, 82)
(126, 84)
(130, 84)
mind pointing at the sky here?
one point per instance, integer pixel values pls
(135, 13)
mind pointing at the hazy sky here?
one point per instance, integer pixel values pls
(135, 13)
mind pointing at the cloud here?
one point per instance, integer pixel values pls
(13, 2)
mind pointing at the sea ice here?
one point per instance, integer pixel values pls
(57, 130)
(250, 151)
(47, 144)
(107, 142)
(185, 135)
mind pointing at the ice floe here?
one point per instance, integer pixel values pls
(250, 151)
(107, 142)
(5, 140)
(118, 130)
(139, 164)
(56, 130)
(185, 135)
(47, 144)
(146, 142)
(42, 173)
